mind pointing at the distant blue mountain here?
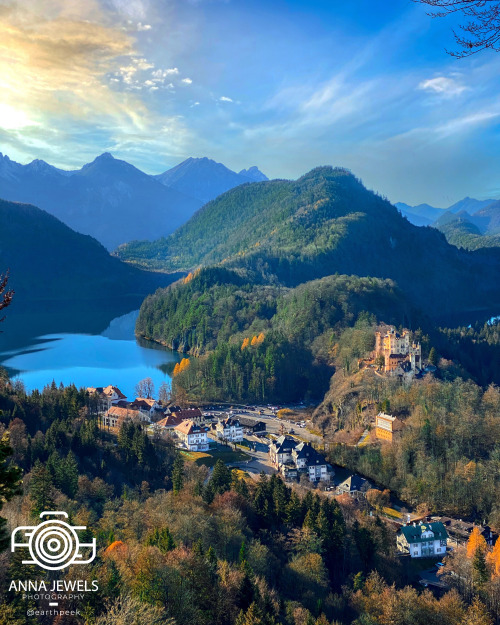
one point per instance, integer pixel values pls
(254, 174)
(115, 202)
(205, 179)
(426, 215)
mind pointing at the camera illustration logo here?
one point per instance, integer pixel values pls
(53, 544)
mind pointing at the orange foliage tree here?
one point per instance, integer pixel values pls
(475, 542)
(493, 558)
(245, 343)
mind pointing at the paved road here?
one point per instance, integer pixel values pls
(273, 424)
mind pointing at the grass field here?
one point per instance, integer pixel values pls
(209, 459)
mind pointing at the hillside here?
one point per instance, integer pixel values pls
(263, 342)
(204, 179)
(326, 222)
(48, 260)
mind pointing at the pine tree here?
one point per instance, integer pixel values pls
(41, 490)
(221, 477)
(294, 514)
(480, 567)
(178, 473)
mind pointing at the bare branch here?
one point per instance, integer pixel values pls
(481, 31)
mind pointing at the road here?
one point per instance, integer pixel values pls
(274, 425)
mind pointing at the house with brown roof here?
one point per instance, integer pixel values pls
(191, 414)
(108, 396)
(168, 423)
(192, 436)
(115, 416)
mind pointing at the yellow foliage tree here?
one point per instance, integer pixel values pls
(493, 558)
(260, 339)
(475, 542)
(176, 369)
(254, 340)
(245, 343)
(184, 364)
(188, 278)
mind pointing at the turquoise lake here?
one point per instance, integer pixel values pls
(37, 355)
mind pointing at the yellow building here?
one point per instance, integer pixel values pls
(397, 350)
(386, 426)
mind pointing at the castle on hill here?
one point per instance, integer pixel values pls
(399, 353)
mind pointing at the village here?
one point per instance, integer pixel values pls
(272, 439)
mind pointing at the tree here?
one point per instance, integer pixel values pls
(178, 473)
(433, 357)
(481, 31)
(41, 489)
(126, 610)
(10, 480)
(165, 393)
(5, 295)
(476, 541)
(145, 388)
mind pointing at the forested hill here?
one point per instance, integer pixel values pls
(48, 260)
(326, 222)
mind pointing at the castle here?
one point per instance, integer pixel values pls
(400, 354)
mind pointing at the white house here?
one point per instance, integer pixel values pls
(292, 459)
(280, 450)
(108, 396)
(423, 540)
(193, 437)
(230, 430)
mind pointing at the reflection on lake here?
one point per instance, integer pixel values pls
(109, 356)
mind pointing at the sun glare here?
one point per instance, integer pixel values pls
(13, 119)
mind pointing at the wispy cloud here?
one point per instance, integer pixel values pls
(443, 86)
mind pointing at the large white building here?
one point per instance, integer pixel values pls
(423, 540)
(293, 459)
(230, 430)
(193, 437)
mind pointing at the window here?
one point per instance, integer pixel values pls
(442, 543)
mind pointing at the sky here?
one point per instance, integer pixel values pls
(281, 84)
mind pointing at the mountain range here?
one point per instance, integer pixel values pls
(326, 222)
(469, 223)
(115, 202)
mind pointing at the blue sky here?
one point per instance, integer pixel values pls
(285, 85)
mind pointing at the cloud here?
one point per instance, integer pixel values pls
(143, 27)
(74, 68)
(225, 99)
(187, 81)
(443, 86)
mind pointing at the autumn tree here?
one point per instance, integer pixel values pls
(5, 294)
(476, 541)
(493, 558)
(481, 28)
